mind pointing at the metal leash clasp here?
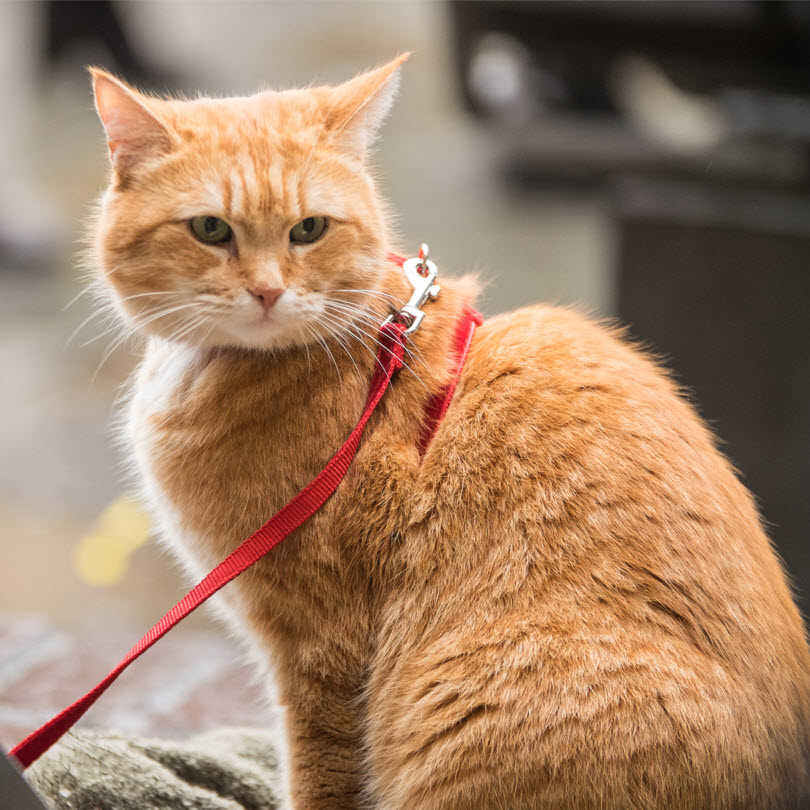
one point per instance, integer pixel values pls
(421, 272)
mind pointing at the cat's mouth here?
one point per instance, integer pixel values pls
(274, 318)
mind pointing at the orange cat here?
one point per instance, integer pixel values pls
(568, 602)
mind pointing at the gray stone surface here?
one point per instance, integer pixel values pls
(227, 769)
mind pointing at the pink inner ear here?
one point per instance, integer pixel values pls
(361, 105)
(133, 132)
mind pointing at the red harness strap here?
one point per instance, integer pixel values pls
(438, 404)
(281, 525)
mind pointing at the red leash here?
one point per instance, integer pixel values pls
(282, 524)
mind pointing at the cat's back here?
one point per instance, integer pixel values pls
(612, 620)
(598, 428)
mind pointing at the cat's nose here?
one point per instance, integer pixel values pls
(266, 295)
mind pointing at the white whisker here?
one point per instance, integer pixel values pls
(355, 313)
(326, 348)
(395, 300)
(306, 331)
(110, 350)
(110, 328)
(196, 320)
(128, 332)
(148, 294)
(335, 333)
(154, 313)
(353, 328)
(84, 290)
(106, 310)
(369, 316)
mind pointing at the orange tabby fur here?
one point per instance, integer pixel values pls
(569, 602)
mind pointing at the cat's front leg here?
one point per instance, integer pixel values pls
(324, 724)
(324, 764)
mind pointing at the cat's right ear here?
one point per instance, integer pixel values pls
(134, 134)
(357, 108)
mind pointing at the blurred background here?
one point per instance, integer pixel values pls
(646, 161)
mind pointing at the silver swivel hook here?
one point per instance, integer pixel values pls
(421, 272)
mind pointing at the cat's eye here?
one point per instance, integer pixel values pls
(308, 230)
(211, 230)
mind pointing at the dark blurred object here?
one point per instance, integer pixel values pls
(74, 25)
(15, 793)
(694, 117)
(702, 45)
(589, 88)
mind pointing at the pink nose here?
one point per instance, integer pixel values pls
(267, 295)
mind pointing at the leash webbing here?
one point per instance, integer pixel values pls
(283, 523)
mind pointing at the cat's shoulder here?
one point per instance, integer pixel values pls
(557, 360)
(548, 342)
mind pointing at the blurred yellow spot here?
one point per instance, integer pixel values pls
(102, 557)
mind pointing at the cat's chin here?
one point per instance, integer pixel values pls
(257, 341)
(279, 343)
(274, 333)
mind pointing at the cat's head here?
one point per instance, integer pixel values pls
(242, 221)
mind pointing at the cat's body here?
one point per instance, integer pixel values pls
(567, 602)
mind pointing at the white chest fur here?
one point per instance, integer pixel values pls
(157, 381)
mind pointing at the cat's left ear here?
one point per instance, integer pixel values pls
(359, 107)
